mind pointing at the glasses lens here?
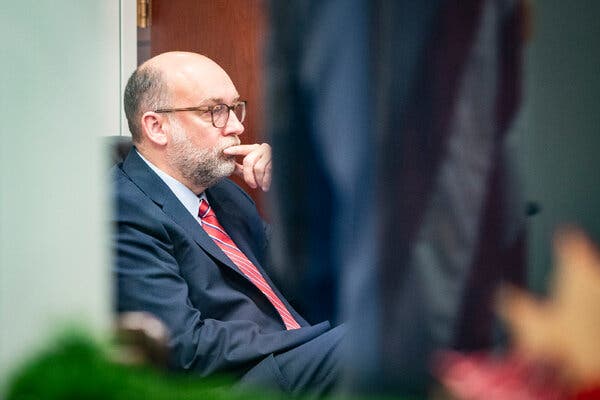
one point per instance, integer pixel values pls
(220, 114)
(240, 110)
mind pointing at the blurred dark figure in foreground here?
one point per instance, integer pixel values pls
(399, 207)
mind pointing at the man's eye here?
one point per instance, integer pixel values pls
(218, 108)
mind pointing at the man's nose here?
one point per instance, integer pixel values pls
(233, 126)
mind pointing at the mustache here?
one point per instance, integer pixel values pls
(235, 142)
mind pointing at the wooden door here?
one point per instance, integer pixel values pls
(232, 33)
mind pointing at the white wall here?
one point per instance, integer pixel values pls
(60, 91)
(128, 51)
(560, 139)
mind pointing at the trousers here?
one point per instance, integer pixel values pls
(310, 369)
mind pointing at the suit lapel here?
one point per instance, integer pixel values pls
(154, 187)
(183, 218)
(229, 217)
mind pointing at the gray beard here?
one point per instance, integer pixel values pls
(202, 168)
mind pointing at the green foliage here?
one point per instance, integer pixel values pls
(76, 368)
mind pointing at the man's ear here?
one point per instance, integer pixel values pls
(153, 127)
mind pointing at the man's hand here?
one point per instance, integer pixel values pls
(256, 164)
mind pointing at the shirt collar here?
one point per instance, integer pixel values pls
(189, 199)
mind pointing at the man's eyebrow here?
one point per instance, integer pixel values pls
(217, 100)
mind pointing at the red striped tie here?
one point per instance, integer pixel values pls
(222, 239)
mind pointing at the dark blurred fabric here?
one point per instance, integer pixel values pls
(320, 125)
(118, 147)
(452, 220)
(395, 190)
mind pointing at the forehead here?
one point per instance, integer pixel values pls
(202, 82)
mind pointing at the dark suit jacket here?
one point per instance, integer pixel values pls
(167, 265)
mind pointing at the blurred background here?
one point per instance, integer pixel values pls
(64, 65)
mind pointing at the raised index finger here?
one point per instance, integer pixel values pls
(240, 150)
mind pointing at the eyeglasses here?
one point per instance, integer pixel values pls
(219, 113)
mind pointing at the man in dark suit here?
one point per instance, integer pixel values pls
(190, 246)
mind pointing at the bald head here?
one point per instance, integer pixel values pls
(182, 64)
(168, 80)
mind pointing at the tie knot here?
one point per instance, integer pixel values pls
(204, 208)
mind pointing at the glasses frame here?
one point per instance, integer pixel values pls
(206, 109)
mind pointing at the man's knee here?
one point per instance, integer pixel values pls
(312, 367)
